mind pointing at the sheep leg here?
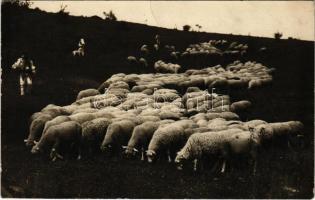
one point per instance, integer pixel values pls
(253, 154)
(223, 166)
(215, 166)
(142, 154)
(195, 164)
(53, 153)
(169, 156)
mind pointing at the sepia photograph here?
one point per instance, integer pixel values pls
(157, 99)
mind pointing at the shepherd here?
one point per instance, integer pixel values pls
(26, 68)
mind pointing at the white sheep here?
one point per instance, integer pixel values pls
(224, 143)
(67, 133)
(93, 133)
(118, 134)
(240, 106)
(172, 135)
(36, 129)
(140, 138)
(87, 93)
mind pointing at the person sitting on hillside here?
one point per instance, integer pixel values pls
(26, 68)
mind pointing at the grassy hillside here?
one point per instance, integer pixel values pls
(49, 39)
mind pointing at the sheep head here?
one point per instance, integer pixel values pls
(30, 143)
(130, 151)
(151, 155)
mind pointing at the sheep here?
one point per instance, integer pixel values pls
(34, 116)
(119, 84)
(132, 59)
(166, 67)
(82, 117)
(87, 93)
(140, 138)
(55, 121)
(58, 136)
(85, 110)
(222, 143)
(78, 52)
(93, 132)
(170, 135)
(240, 106)
(145, 49)
(143, 62)
(271, 130)
(118, 133)
(36, 129)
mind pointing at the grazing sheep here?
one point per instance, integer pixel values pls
(172, 135)
(140, 138)
(222, 143)
(271, 130)
(55, 121)
(93, 133)
(118, 133)
(66, 134)
(36, 129)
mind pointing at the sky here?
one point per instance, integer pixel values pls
(256, 18)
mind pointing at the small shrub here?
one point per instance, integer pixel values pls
(110, 16)
(186, 28)
(278, 35)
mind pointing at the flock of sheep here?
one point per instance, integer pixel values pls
(156, 115)
(216, 47)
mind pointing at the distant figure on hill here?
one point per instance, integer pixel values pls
(26, 68)
(81, 49)
(157, 40)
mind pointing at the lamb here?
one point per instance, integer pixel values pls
(93, 132)
(170, 135)
(87, 93)
(118, 133)
(58, 136)
(223, 143)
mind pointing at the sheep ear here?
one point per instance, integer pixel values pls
(25, 140)
(124, 147)
(136, 150)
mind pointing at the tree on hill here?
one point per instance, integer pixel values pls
(186, 28)
(278, 35)
(110, 16)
